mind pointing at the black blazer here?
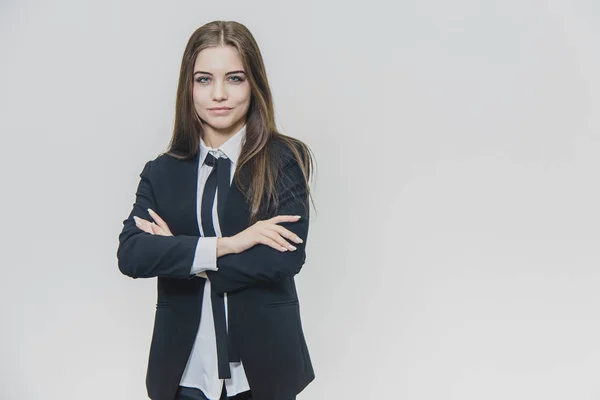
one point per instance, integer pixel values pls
(264, 314)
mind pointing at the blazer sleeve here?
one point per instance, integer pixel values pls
(262, 263)
(144, 255)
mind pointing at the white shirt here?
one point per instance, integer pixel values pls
(201, 370)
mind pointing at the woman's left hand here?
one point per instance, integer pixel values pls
(158, 228)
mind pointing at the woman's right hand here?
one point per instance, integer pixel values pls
(265, 232)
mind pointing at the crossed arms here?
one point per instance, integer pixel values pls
(143, 255)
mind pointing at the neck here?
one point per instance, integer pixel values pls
(214, 137)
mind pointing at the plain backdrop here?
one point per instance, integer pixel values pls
(453, 254)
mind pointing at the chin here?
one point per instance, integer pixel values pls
(221, 123)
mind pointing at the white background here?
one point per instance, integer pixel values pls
(454, 250)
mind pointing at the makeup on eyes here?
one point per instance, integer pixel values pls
(240, 79)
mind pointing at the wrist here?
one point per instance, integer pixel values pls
(224, 246)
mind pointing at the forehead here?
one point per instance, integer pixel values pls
(220, 59)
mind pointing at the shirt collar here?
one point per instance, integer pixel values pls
(231, 148)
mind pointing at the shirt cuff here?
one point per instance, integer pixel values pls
(205, 257)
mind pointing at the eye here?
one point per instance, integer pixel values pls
(239, 78)
(200, 79)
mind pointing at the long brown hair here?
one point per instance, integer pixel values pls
(263, 166)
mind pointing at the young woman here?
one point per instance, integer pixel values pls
(221, 219)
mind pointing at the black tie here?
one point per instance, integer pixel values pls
(219, 177)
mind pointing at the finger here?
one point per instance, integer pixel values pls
(286, 233)
(284, 218)
(157, 230)
(277, 238)
(272, 243)
(156, 217)
(159, 220)
(143, 224)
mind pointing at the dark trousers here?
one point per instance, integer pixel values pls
(186, 393)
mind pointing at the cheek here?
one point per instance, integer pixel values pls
(196, 95)
(243, 96)
(200, 102)
(241, 90)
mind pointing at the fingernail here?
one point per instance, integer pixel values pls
(297, 216)
(298, 240)
(283, 248)
(150, 211)
(292, 247)
(135, 218)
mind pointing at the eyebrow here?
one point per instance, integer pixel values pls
(229, 73)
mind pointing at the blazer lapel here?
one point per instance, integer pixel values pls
(236, 216)
(182, 214)
(185, 188)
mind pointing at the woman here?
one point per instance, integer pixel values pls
(221, 219)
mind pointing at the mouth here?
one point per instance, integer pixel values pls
(220, 110)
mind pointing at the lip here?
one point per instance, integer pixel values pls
(219, 110)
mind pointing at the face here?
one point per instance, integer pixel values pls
(220, 82)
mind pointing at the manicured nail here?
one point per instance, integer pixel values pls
(292, 247)
(298, 240)
(284, 248)
(150, 211)
(136, 219)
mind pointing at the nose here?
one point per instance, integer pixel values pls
(219, 93)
